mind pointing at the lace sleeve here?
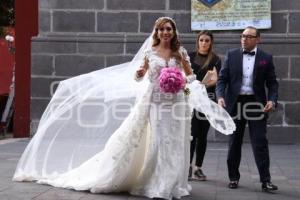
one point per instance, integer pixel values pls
(143, 65)
(184, 54)
(146, 55)
(187, 65)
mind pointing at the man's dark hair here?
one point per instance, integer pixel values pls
(254, 28)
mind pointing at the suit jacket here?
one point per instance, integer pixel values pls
(231, 73)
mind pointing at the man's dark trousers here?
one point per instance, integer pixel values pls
(247, 109)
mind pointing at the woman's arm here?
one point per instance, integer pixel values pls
(190, 76)
(140, 73)
(186, 65)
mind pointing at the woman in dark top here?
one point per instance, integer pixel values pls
(203, 61)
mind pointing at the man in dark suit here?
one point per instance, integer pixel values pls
(241, 89)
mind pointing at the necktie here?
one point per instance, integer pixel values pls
(250, 53)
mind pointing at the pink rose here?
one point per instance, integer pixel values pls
(171, 80)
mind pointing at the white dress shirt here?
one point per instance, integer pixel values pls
(248, 66)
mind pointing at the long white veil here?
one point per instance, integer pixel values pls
(82, 114)
(86, 110)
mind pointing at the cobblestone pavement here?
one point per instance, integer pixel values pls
(285, 171)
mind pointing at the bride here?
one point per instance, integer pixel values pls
(105, 132)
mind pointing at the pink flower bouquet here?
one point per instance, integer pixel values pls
(171, 80)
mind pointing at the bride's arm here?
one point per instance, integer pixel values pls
(190, 76)
(186, 64)
(140, 73)
(187, 68)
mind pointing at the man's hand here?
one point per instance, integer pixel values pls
(269, 106)
(221, 102)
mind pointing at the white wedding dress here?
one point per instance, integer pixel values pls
(145, 153)
(165, 169)
(148, 155)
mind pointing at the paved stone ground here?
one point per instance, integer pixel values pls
(285, 170)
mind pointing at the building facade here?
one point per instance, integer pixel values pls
(77, 37)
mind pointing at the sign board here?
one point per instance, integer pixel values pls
(230, 14)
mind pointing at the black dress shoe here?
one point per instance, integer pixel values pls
(199, 175)
(233, 184)
(268, 186)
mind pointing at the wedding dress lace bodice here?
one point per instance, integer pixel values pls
(156, 63)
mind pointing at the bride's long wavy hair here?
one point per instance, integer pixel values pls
(175, 44)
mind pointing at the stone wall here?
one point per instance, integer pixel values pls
(76, 37)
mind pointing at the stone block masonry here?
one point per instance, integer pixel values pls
(77, 37)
